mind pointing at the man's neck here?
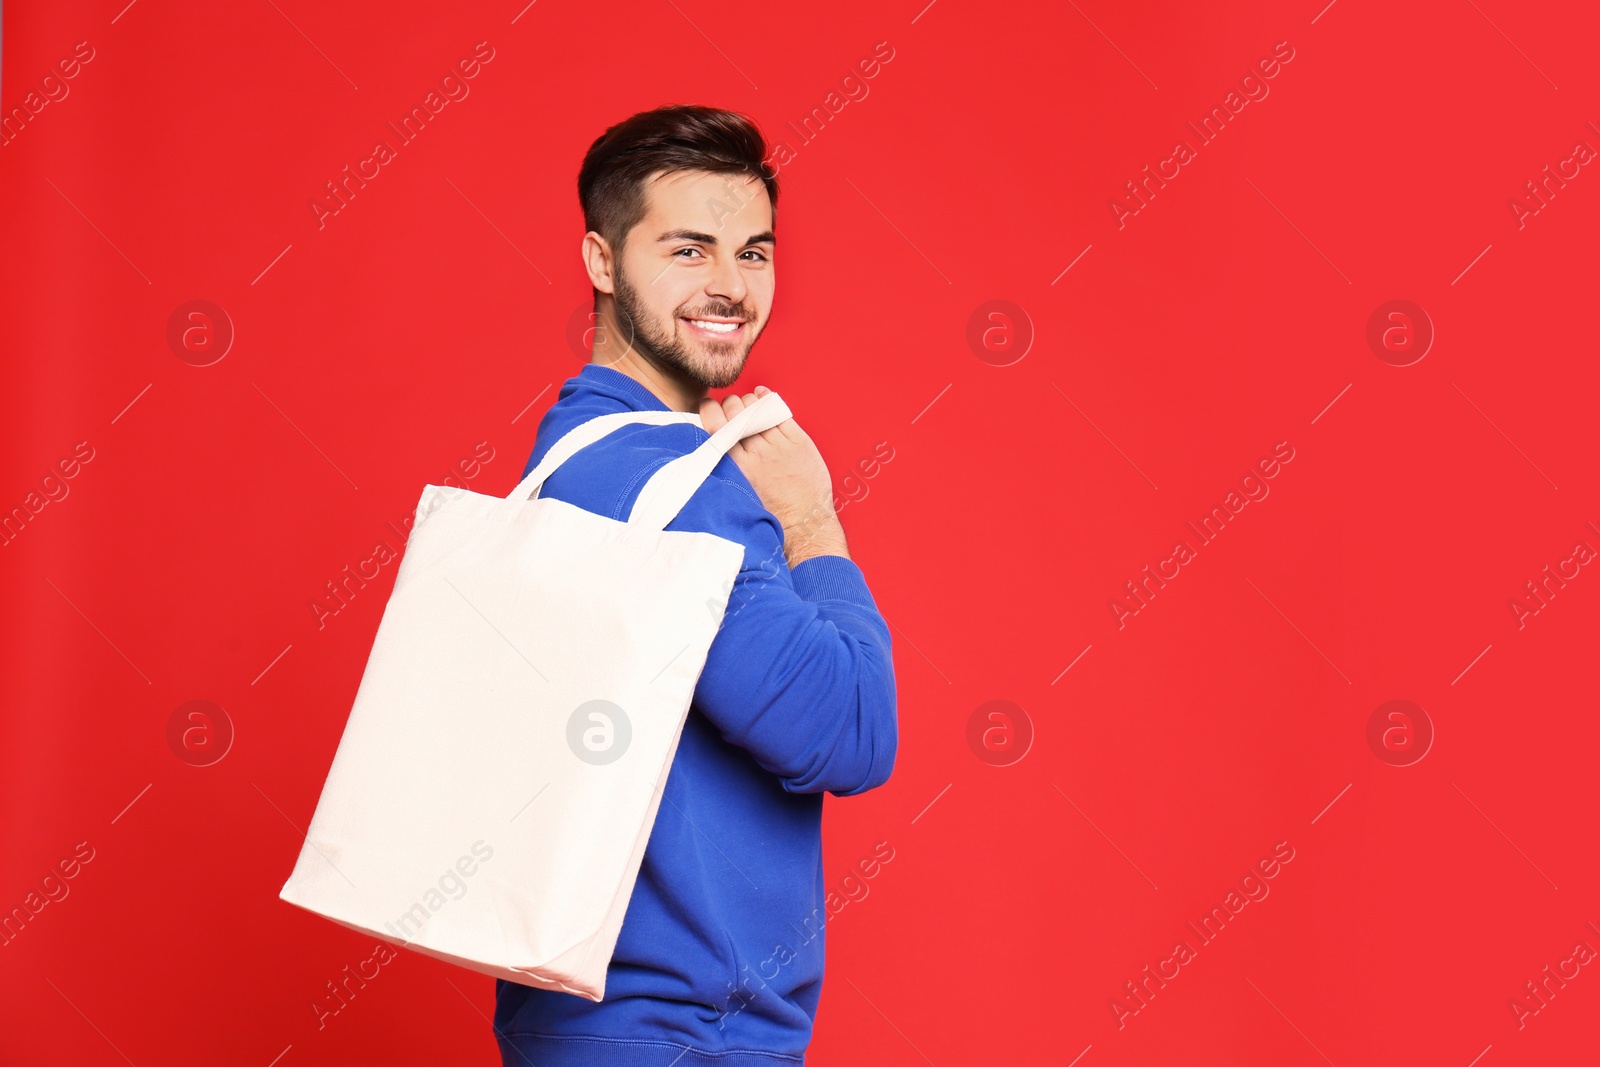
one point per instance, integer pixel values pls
(678, 394)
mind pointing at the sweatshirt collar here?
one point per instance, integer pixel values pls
(599, 378)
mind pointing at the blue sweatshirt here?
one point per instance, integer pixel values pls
(720, 956)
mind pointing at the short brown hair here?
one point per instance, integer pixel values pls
(672, 138)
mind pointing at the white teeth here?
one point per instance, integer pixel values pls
(716, 327)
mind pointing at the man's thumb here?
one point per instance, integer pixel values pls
(711, 415)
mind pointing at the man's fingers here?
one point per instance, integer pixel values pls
(732, 404)
(712, 416)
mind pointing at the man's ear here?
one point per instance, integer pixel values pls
(599, 262)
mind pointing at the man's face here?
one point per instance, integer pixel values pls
(695, 278)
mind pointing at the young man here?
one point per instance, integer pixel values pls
(720, 957)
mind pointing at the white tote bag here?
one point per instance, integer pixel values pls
(493, 791)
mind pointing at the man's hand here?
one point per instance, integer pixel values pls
(790, 477)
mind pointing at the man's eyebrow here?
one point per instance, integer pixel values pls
(707, 239)
(687, 235)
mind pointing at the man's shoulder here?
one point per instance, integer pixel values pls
(607, 476)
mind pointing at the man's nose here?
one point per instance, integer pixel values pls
(727, 281)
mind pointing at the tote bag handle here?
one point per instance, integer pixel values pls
(587, 433)
(670, 488)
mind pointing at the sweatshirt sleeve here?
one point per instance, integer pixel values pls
(801, 671)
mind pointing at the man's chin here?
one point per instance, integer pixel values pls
(719, 374)
(719, 365)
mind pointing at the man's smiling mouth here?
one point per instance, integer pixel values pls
(722, 329)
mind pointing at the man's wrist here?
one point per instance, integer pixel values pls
(818, 534)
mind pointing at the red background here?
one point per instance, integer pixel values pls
(373, 354)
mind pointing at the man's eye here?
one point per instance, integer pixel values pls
(760, 255)
(681, 251)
